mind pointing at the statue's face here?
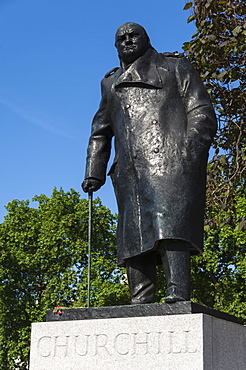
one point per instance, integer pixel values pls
(131, 42)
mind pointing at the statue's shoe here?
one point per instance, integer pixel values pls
(172, 298)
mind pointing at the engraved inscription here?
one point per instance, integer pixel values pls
(44, 346)
(101, 344)
(140, 343)
(179, 342)
(61, 346)
(81, 344)
(120, 344)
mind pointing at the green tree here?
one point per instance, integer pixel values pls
(43, 259)
(217, 50)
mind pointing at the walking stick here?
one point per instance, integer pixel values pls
(90, 196)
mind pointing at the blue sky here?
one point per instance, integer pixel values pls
(53, 55)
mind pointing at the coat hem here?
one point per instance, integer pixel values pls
(194, 250)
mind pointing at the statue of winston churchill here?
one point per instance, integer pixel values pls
(158, 111)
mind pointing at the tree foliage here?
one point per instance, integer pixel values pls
(43, 259)
(218, 50)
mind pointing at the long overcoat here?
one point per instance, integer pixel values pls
(163, 123)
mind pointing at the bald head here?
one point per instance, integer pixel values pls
(131, 41)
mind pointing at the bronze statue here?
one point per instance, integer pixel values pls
(158, 111)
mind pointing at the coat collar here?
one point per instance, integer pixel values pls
(143, 71)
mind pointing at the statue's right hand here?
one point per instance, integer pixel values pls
(91, 184)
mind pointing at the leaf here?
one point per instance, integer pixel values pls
(207, 5)
(190, 19)
(223, 159)
(188, 5)
(211, 37)
(221, 75)
(237, 30)
(242, 225)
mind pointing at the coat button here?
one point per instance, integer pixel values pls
(154, 121)
(127, 106)
(156, 150)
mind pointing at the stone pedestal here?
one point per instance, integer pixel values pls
(196, 341)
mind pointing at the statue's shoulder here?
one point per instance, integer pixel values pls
(175, 54)
(111, 72)
(169, 60)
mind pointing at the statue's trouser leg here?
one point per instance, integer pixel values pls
(141, 273)
(175, 257)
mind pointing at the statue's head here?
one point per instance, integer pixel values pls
(131, 41)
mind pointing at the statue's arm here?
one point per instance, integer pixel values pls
(201, 119)
(99, 147)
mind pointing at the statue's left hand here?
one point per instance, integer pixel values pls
(91, 184)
